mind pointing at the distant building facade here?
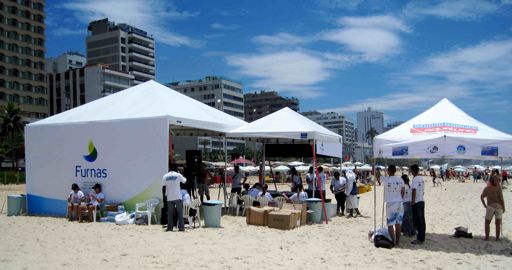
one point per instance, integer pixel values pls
(122, 47)
(22, 52)
(339, 124)
(66, 61)
(215, 91)
(366, 120)
(218, 92)
(74, 87)
(393, 125)
(263, 103)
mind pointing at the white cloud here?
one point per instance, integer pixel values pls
(452, 9)
(151, 15)
(340, 4)
(374, 37)
(478, 76)
(220, 26)
(280, 39)
(294, 72)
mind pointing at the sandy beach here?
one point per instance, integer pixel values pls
(54, 243)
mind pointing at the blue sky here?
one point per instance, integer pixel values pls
(400, 57)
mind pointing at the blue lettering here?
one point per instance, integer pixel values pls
(90, 173)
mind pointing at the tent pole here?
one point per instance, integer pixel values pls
(262, 167)
(319, 182)
(170, 145)
(225, 171)
(374, 196)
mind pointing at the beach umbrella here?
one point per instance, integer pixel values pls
(365, 167)
(347, 163)
(460, 169)
(357, 163)
(296, 163)
(302, 168)
(497, 167)
(435, 167)
(405, 168)
(241, 160)
(281, 168)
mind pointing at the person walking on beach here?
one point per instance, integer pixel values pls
(394, 190)
(171, 182)
(338, 185)
(434, 176)
(296, 180)
(495, 206)
(351, 194)
(310, 178)
(418, 204)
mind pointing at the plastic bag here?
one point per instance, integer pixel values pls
(125, 219)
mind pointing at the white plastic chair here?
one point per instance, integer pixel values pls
(233, 203)
(248, 201)
(279, 201)
(263, 201)
(150, 208)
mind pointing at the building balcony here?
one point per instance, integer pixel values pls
(144, 39)
(141, 48)
(116, 84)
(135, 64)
(142, 57)
(142, 75)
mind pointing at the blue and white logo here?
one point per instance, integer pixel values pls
(461, 149)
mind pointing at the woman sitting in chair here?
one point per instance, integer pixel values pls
(264, 193)
(96, 199)
(74, 199)
(299, 197)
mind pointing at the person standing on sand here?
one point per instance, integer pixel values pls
(171, 182)
(394, 190)
(338, 185)
(418, 204)
(495, 206)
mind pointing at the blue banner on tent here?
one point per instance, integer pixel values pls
(490, 151)
(400, 151)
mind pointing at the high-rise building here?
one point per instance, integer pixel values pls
(366, 120)
(258, 105)
(63, 62)
(339, 124)
(74, 87)
(122, 47)
(393, 125)
(22, 51)
(218, 92)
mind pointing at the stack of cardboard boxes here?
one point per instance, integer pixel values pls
(288, 217)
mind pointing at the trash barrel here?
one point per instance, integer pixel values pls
(327, 210)
(212, 210)
(315, 204)
(16, 205)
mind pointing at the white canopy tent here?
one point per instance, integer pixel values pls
(443, 131)
(288, 124)
(120, 141)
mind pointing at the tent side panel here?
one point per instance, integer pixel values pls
(128, 158)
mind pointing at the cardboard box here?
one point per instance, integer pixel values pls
(258, 216)
(302, 208)
(283, 220)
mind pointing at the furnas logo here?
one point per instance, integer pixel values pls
(93, 153)
(99, 173)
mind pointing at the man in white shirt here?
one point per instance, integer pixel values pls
(338, 185)
(171, 181)
(394, 189)
(238, 180)
(418, 204)
(321, 185)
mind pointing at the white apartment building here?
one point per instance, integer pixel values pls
(63, 62)
(122, 47)
(366, 120)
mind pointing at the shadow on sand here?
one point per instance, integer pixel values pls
(447, 243)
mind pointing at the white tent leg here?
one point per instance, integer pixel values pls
(225, 171)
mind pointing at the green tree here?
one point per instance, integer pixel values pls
(11, 133)
(372, 133)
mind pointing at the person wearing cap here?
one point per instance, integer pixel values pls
(96, 199)
(74, 199)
